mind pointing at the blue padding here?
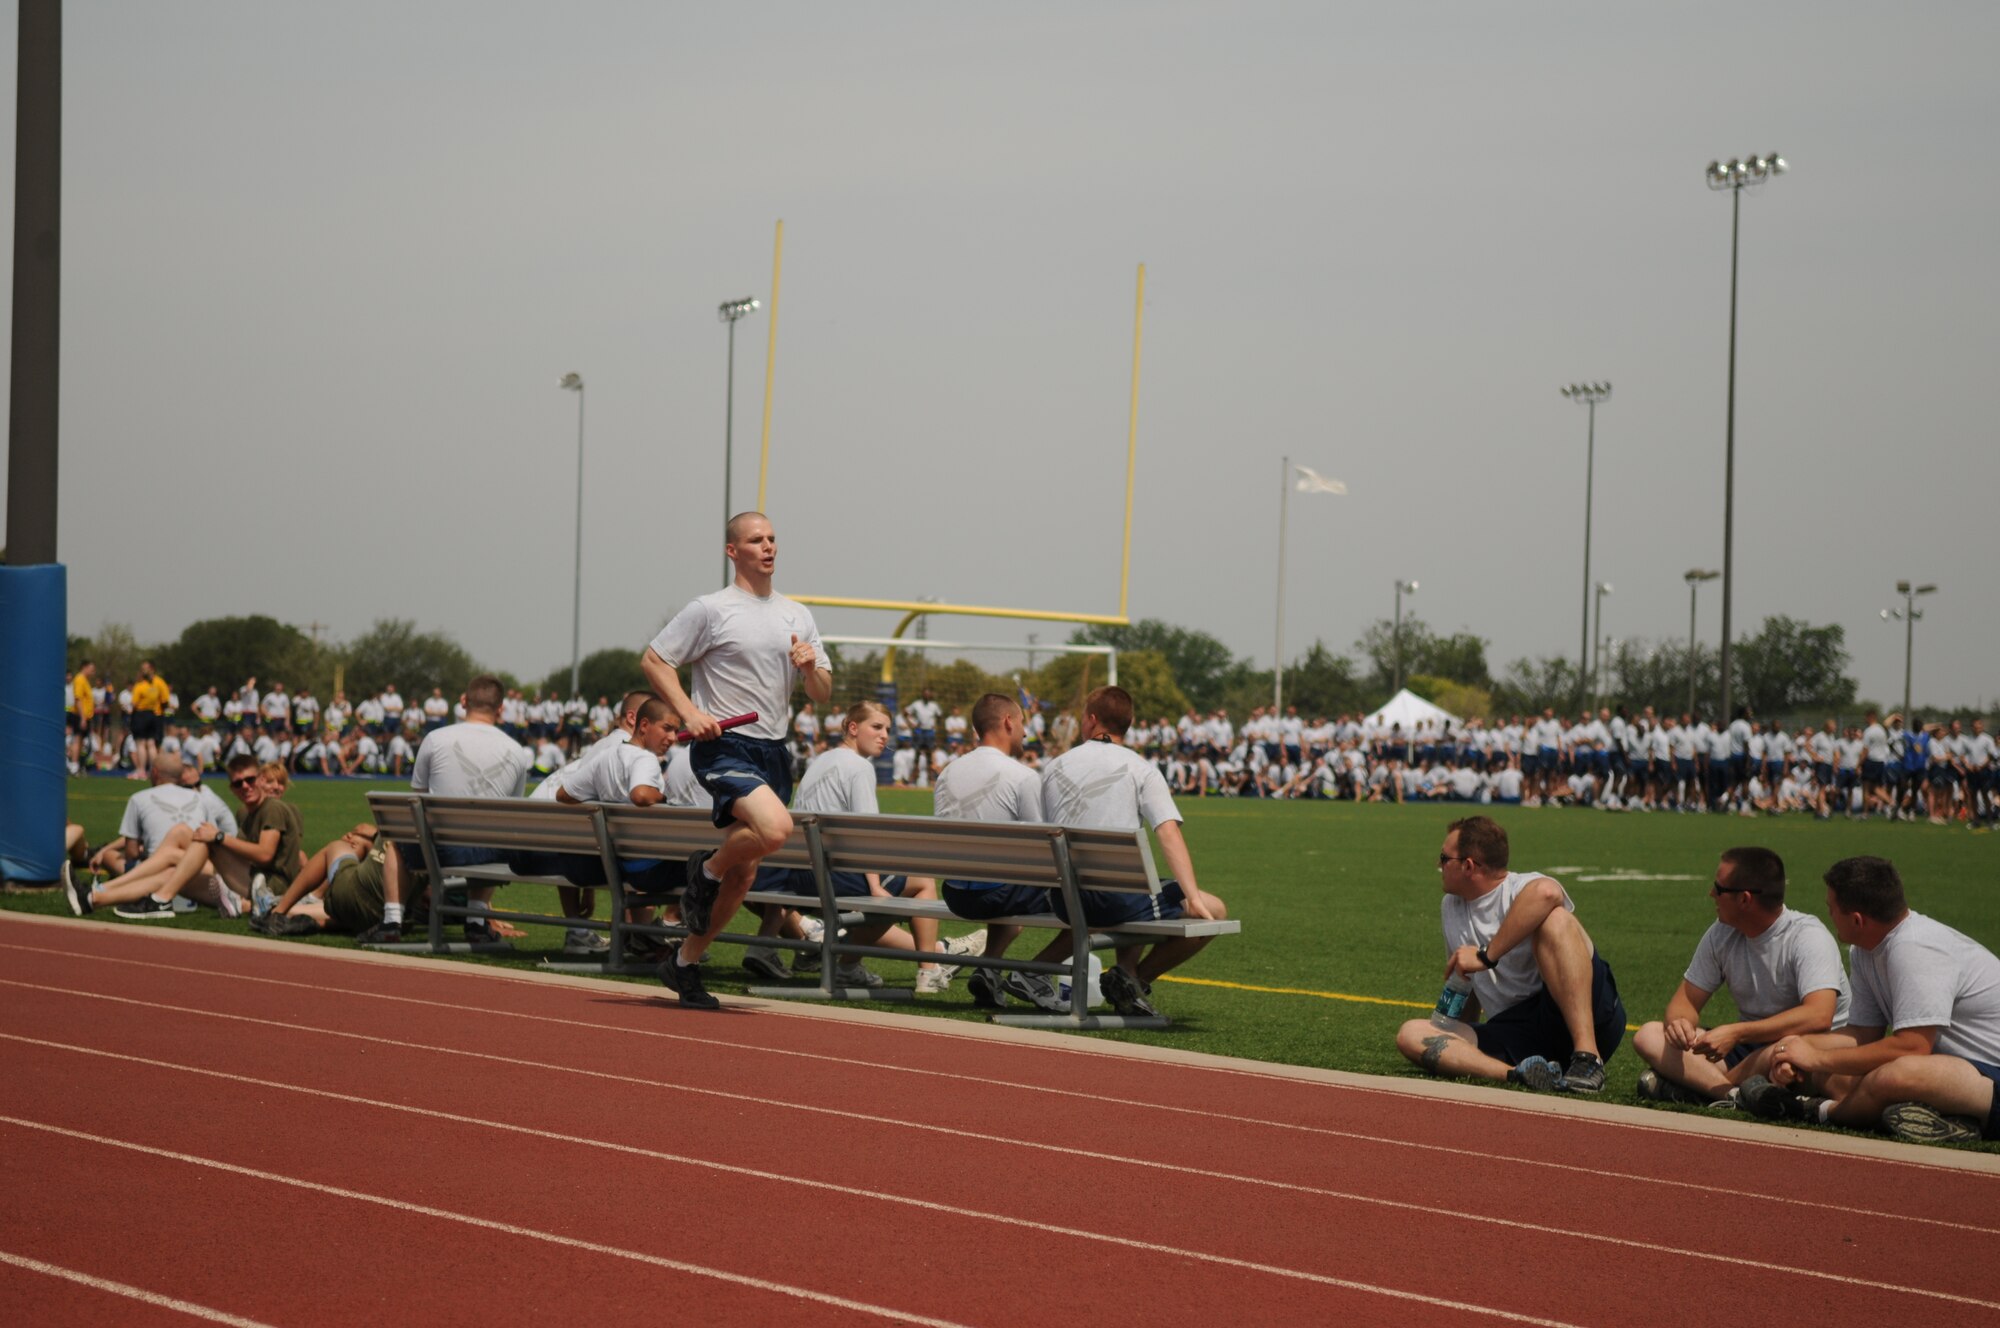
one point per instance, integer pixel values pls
(33, 623)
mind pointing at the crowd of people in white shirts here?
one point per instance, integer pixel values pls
(1607, 759)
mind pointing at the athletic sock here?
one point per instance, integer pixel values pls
(1825, 1111)
(393, 914)
(681, 959)
(709, 874)
(157, 898)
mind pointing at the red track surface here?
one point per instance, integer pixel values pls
(265, 1133)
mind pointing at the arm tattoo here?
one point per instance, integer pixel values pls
(1434, 1051)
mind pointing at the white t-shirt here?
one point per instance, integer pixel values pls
(683, 789)
(205, 707)
(1774, 972)
(738, 649)
(392, 704)
(1476, 922)
(986, 784)
(436, 707)
(1875, 739)
(839, 779)
(1101, 785)
(151, 813)
(924, 714)
(612, 771)
(1926, 975)
(470, 761)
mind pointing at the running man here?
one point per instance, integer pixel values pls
(743, 646)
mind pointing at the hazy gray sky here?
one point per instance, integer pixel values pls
(324, 265)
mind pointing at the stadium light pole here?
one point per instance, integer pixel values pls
(731, 312)
(1587, 394)
(573, 382)
(1402, 588)
(1597, 669)
(1694, 577)
(1908, 615)
(1734, 176)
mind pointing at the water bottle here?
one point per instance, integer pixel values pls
(1450, 1011)
(1093, 994)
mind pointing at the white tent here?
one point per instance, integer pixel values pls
(1412, 712)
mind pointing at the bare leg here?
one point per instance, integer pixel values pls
(1683, 1067)
(1945, 1082)
(762, 826)
(1425, 1044)
(1562, 953)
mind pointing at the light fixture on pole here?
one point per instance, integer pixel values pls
(1694, 577)
(731, 312)
(1597, 670)
(1908, 616)
(1306, 480)
(573, 382)
(1735, 176)
(1587, 394)
(1402, 588)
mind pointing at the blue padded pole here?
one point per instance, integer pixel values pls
(33, 788)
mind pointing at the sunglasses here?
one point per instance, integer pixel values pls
(1443, 858)
(244, 781)
(1718, 889)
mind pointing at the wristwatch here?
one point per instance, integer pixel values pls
(1485, 958)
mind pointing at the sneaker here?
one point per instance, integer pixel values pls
(479, 932)
(290, 924)
(1584, 1075)
(1766, 1101)
(763, 961)
(584, 943)
(1127, 993)
(77, 892)
(984, 984)
(855, 974)
(933, 980)
(227, 902)
(182, 904)
(813, 929)
(1537, 1072)
(262, 901)
(145, 909)
(684, 980)
(973, 943)
(382, 933)
(698, 898)
(1034, 989)
(1654, 1087)
(1918, 1123)
(641, 948)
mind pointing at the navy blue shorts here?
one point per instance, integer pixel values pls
(576, 868)
(1873, 772)
(449, 856)
(734, 766)
(979, 901)
(1535, 1027)
(1109, 908)
(1684, 767)
(846, 885)
(1823, 774)
(1991, 1127)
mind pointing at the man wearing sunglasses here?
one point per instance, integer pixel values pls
(1555, 1011)
(1781, 967)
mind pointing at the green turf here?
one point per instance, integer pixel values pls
(1343, 900)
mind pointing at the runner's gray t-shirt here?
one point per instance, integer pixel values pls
(839, 779)
(738, 649)
(986, 784)
(1926, 975)
(1774, 972)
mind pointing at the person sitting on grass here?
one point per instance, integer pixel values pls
(161, 828)
(1555, 1011)
(1781, 967)
(1920, 1055)
(354, 877)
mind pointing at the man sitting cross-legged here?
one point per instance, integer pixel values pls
(1920, 1055)
(1553, 1002)
(1781, 967)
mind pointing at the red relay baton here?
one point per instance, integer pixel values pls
(733, 722)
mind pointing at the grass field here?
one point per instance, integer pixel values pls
(1339, 906)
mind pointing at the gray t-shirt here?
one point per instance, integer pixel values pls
(471, 761)
(839, 779)
(738, 651)
(1774, 972)
(1926, 975)
(1477, 922)
(1102, 786)
(151, 813)
(986, 784)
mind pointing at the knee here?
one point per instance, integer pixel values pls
(772, 835)
(1410, 1037)
(1897, 1080)
(1651, 1042)
(1216, 908)
(1560, 927)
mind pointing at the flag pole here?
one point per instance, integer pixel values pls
(1278, 654)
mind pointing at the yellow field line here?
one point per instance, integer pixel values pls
(1304, 991)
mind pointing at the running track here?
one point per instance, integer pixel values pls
(251, 1132)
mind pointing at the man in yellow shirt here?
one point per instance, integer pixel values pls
(83, 704)
(149, 704)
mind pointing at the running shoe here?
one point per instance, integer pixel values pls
(763, 961)
(972, 943)
(145, 909)
(855, 974)
(698, 897)
(585, 943)
(1537, 1072)
(262, 901)
(1034, 989)
(1767, 1101)
(1920, 1123)
(227, 902)
(290, 924)
(1584, 1075)
(984, 985)
(382, 933)
(684, 980)
(1127, 994)
(77, 892)
(641, 948)
(1655, 1087)
(933, 980)
(182, 904)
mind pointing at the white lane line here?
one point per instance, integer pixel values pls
(1720, 1191)
(1429, 1210)
(153, 1298)
(424, 1210)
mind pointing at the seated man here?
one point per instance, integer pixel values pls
(1920, 1055)
(1781, 967)
(470, 759)
(358, 874)
(162, 827)
(1554, 1013)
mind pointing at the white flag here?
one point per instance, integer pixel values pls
(1311, 481)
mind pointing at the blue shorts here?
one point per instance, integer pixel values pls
(1823, 774)
(1535, 1027)
(1873, 772)
(846, 885)
(1529, 765)
(576, 868)
(979, 901)
(1990, 1129)
(1108, 908)
(449, 856)
(1684, 767)
(733, 766)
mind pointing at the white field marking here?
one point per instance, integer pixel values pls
(1635, 876)
(1315, 1191)
(424, 1210)
(1146, 1247)
(988, 1082)
(129, 1292)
